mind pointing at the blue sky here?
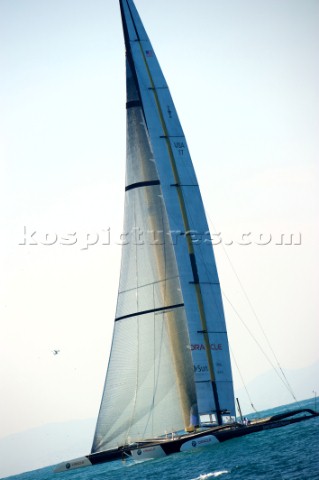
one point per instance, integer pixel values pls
(244, 78)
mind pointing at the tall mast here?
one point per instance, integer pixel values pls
(182, 198)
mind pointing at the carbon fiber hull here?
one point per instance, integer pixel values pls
(157, 448)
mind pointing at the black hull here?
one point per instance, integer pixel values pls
(158, 448)
(221, 434)
(225, 433)
(229, 433)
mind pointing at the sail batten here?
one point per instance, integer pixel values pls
(146, 183)
(154, 310)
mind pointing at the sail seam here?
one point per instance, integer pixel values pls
(152, 310)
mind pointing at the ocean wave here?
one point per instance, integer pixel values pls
(203, 476)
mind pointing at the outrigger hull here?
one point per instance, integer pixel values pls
(153, 449)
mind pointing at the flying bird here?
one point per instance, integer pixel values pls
(55, 352)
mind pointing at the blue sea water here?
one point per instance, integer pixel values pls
(288, 453)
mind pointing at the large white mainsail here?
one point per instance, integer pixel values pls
(170, 350)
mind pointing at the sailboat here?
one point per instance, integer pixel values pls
(168, 384)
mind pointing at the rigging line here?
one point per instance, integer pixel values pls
(243, 382)
(262, 350)
(142, 285)
(260, 325)
(157, 373)
(256, 317)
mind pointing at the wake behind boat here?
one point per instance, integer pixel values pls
(169, 384)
